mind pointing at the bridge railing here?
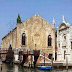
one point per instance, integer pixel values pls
(3, 50)
(16, 51)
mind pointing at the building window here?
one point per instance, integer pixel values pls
(50, 56)
(71, 45)
(55, 55)
(23, 39)
(49, 40)
(64, 54)
(59, 45)
(64, 37)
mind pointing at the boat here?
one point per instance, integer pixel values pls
(44, 67)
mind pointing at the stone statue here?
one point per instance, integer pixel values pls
(53, 22)
(63, 18)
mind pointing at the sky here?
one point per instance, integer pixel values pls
(47, 9)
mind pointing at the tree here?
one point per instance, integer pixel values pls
(18, 19)
(10, 55)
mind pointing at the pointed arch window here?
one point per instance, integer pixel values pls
(49, 40)
(64, 36)
(23, 39)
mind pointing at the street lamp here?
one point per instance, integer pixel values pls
(35, 46)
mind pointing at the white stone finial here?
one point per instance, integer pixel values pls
(63, 18)
(36, 15)
(53, 22)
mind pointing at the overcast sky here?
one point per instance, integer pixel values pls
(47, 9)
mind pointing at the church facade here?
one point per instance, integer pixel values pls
(35, 33)
(64, 42)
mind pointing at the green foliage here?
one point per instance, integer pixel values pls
(18, 19)
(10, 55)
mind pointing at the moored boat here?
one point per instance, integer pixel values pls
(44, 67)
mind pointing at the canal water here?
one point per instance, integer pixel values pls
(17, 68)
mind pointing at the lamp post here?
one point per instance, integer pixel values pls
(35, 46)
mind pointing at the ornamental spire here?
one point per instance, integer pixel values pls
(53, 22)
(63, 18)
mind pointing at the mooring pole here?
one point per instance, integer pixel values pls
(44, 59)
(52, 62)
(31, 60)
(66, 63)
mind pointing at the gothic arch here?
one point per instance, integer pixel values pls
(64, 37)
(23, 39)
(62, 25)
(49, 40)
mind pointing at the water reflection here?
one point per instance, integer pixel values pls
(43, 71)
(17, 68)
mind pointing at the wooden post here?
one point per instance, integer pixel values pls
(35, 46)
(44, 59)
(31, 60)
(27, 51)
(66, 63)
(52, 62)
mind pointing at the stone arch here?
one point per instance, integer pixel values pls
(49, 40)
(62, 25)
(23, 39)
